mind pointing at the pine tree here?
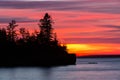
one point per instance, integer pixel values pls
(11, 32)
(46, 29)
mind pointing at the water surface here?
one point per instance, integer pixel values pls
(105, 69)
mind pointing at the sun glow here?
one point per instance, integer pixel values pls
(78, 47)
(93, 49)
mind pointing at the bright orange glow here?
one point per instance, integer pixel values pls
(93, 49)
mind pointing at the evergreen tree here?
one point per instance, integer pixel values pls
(45, 25)
(11, 32)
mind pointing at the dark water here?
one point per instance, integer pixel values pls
(105, 69)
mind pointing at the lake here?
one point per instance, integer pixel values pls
(85, 69)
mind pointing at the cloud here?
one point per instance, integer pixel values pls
(104, 34)
(105, 6)
(93, 40)
(35, 4)
(114, 30)
(18, 19)
(111, 26)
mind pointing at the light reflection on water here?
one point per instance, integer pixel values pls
(105, 69)
(25, 73)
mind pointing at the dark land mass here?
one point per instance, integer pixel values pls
(100, 56)
(37, 49)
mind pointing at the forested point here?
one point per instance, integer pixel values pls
(36, 46)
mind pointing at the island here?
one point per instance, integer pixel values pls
(41, 48)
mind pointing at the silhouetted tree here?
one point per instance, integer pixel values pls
(11, 32)
(3, 37)
(25, 34)
(46, 29)
(55, 40)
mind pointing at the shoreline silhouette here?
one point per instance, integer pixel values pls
(100, 56)
(39, 49)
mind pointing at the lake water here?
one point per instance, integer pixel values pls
(105, 69)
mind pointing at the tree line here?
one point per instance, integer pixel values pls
(43, 41)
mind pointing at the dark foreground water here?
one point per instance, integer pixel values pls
(105, 69)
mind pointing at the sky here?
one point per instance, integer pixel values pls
(87, 27)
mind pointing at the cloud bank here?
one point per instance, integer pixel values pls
(105, 6)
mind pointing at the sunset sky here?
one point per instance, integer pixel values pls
(87, 27)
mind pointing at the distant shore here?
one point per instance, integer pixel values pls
(100, 56)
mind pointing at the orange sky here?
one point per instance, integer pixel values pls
(87, 28)
(94, 49)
